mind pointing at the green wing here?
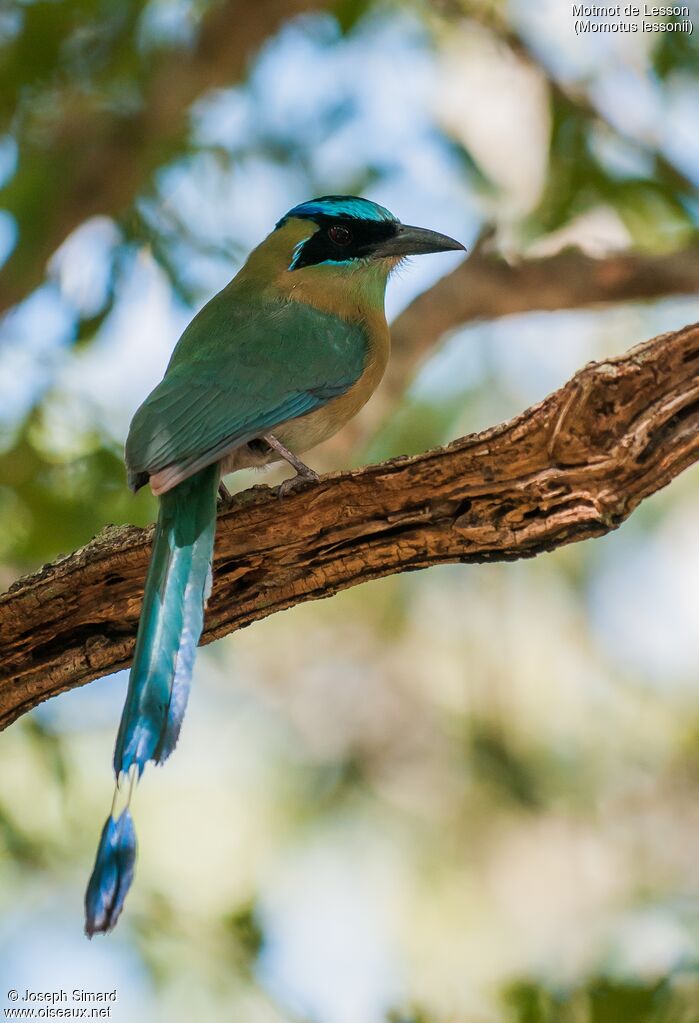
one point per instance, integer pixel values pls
(239, 370)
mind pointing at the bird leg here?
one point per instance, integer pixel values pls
(224, 495)
(304, 474)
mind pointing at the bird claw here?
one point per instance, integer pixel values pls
(297, 482)
(224, 497)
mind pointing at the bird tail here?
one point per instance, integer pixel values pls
(177, 588)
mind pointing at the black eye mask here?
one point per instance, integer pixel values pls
(340, 239)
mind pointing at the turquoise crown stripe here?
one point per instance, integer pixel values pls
(340, 206)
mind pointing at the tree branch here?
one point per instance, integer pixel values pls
(486, 287)
(574, 466)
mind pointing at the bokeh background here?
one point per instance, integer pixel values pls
(468, 795)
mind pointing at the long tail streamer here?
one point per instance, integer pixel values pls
(177, 588)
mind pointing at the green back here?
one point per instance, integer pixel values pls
(239, 369)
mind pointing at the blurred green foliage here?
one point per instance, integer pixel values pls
(89, 130)
(85, 79)
(607, 1001)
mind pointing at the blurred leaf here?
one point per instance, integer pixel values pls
(247, 932)
(605, 1000)
(349, 12)
(675, 51)
(49, 746)
(494, 761)
(414, 426)
(528, 1002)
(19, 846)
(611, 1001)
(59, 506)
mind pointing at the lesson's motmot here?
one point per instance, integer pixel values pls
(274, 364)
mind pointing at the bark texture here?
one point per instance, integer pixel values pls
(572, 467)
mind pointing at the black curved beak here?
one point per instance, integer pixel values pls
(414, 241)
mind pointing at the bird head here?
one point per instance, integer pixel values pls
(339, 244)
(349, 231)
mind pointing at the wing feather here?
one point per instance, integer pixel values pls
(238, 371)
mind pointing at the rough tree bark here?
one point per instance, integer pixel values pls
(574, 466)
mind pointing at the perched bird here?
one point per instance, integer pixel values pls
(274, 364)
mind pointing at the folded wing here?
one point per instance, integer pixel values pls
(237, 372)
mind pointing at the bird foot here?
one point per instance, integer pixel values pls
(224, 496)
(297, 482)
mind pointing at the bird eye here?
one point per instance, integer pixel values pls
(340, 235)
